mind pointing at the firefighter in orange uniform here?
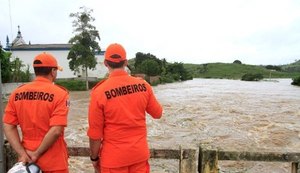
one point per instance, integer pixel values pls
(117, 118)
(40, 108)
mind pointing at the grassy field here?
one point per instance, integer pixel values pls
(234, 71)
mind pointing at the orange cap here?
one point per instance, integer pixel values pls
(45, 60)
(115, 53)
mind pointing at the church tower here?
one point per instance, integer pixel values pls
(18, 40)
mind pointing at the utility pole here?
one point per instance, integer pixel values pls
(1, 125)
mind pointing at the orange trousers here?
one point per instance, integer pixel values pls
(141, 167)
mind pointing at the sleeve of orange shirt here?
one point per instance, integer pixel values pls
(153, 107)
(59, 115)
(96, 118)
(10, 116)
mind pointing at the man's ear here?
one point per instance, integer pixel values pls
(105, 63)
(125, 63)
(53, 71)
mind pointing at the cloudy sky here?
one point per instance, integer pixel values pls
(190, 31)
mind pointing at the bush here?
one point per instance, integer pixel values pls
(296, 81)
(237, 62)
(186, 76)
(176, 76)
(72, 85)
(5, 66)
(76, 85)
(166, 79)
(273, 67)
(252, 77)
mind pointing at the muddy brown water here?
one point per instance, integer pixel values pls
(226, 114)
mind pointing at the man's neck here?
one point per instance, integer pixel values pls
(49, 77)
(116, 69)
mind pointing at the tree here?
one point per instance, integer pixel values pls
(237, 62)
(5, 65)
(150, 67)
(82, 53)
(13, 71)
(141, 57)
(20, 72)
(179, 72)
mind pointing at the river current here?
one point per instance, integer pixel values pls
(226, 114)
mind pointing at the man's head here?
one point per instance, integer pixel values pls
(115, 56)
(45, 64)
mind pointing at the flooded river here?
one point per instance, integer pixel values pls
(226, 114)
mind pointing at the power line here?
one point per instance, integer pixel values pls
(11, 33)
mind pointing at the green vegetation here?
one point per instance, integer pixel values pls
(296, 81)
(237, 62)
(292, 68)
(172, 72)
(178, 72)
(151, 66)
(234, 71)
(82, 53)
(72, 85)
(274, 67)
(13, 70)
(75, 85)
(252, 77)
(5, 66)
(20, 72)
(147, 64)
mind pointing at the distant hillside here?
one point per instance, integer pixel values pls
(293, 67)
(234, 71)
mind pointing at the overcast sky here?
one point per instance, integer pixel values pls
(190, 31)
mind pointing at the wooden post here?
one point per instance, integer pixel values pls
(201, 161)
(295, 167)
(180, 159)
(208, 161)
(187, 161)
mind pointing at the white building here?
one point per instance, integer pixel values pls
(27, 52)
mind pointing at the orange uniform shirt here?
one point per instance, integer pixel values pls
(117, 114)
(36, 107)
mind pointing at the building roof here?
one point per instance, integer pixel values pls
(19, 39)
(44, 47)
(19, 45)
